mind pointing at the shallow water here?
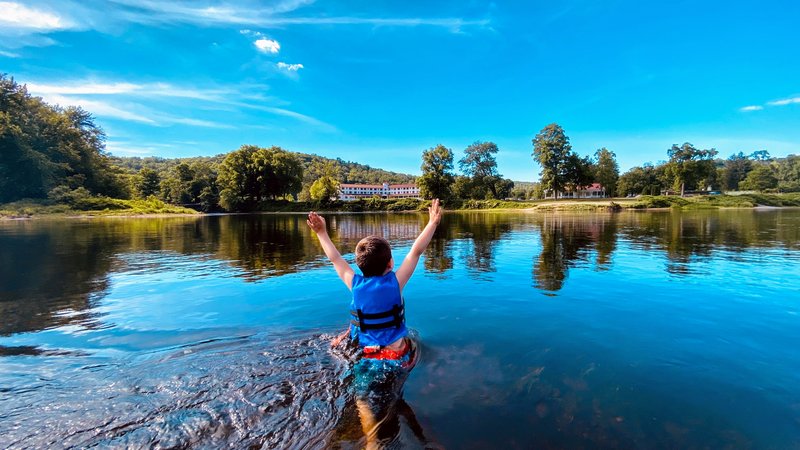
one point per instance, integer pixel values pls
(630, 330)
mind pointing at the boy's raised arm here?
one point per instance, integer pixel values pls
(410, 263)
(317, 225)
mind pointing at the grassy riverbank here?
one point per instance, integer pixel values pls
(103, 206)
(96, 206)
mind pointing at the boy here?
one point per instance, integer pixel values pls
(378, 321)
(378, 314)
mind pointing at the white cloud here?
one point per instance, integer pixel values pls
(124, 149)
(196, 122)
(82, 88)
(88, 87)
(18, 16)
(123, 100)
(9, 54)
(751, 108)
(99, 108)
(289, 67)
(159, 11)
(446, 22)
(785, 101)
(267, 45)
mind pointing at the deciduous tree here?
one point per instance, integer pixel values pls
(552, 150)
(607, 170)
(324, 189)
(437, 173)
(761, 178)
(147, 183)
(480, 164)
(688, 166)
(737, 166)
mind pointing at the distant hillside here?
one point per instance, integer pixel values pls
(350, 172)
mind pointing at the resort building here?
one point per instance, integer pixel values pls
(348, 192)
(594, 190)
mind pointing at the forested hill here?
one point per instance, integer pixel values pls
(349, 172)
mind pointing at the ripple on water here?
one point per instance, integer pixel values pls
(255, 392)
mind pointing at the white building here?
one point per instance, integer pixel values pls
(349, 192)
(594, 190)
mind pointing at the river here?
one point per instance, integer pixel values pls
(659, 329)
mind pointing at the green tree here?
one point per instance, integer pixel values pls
(607, 170)
(480, 164)
(761, 178)
(760, 155)
(324, 190)
(552, 150)
(643, 180)
(146, 183)
(503, 187)
(437, 173)
(464, 188)
(43, 147)
(252, 174)
(688, 166)
(789, 174)
(578, 172)
(737, 166)
(238, 181)
(287, 172)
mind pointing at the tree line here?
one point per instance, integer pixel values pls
(50, 153)
(57, 154)
(687, 169)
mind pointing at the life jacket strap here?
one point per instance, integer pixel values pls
(397, 314)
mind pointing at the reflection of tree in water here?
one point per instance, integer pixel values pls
(690, 236)
(439, 255)
(483, 231)
(48, 270)
(264, 246)
(567, 240)
(52, 273)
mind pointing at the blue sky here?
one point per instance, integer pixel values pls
(378, 82)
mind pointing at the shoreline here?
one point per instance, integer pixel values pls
(569, 206)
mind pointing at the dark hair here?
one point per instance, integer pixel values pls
(373, 254)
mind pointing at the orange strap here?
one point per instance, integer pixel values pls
(386, 353)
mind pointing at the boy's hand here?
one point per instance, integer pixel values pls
(435, 212)
(316, 223)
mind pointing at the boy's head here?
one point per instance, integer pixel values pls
(373, 256)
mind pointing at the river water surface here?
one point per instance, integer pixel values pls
(630, 330)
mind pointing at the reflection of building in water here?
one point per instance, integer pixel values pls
(595, 190)
(350, 192)
(389, 227)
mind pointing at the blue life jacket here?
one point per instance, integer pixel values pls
(377, 310)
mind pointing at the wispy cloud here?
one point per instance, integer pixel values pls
(34, 17)
(751, 108)
(446, 22)
(90, 87)
(9, 54)
(203, 13)
(289, 67)
(785, 101)
(126, 101)
(18, 16)
(781, 102)
(127, 149)
(294, 115)
(100, 108)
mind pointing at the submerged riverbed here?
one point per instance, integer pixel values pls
(639, 329)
